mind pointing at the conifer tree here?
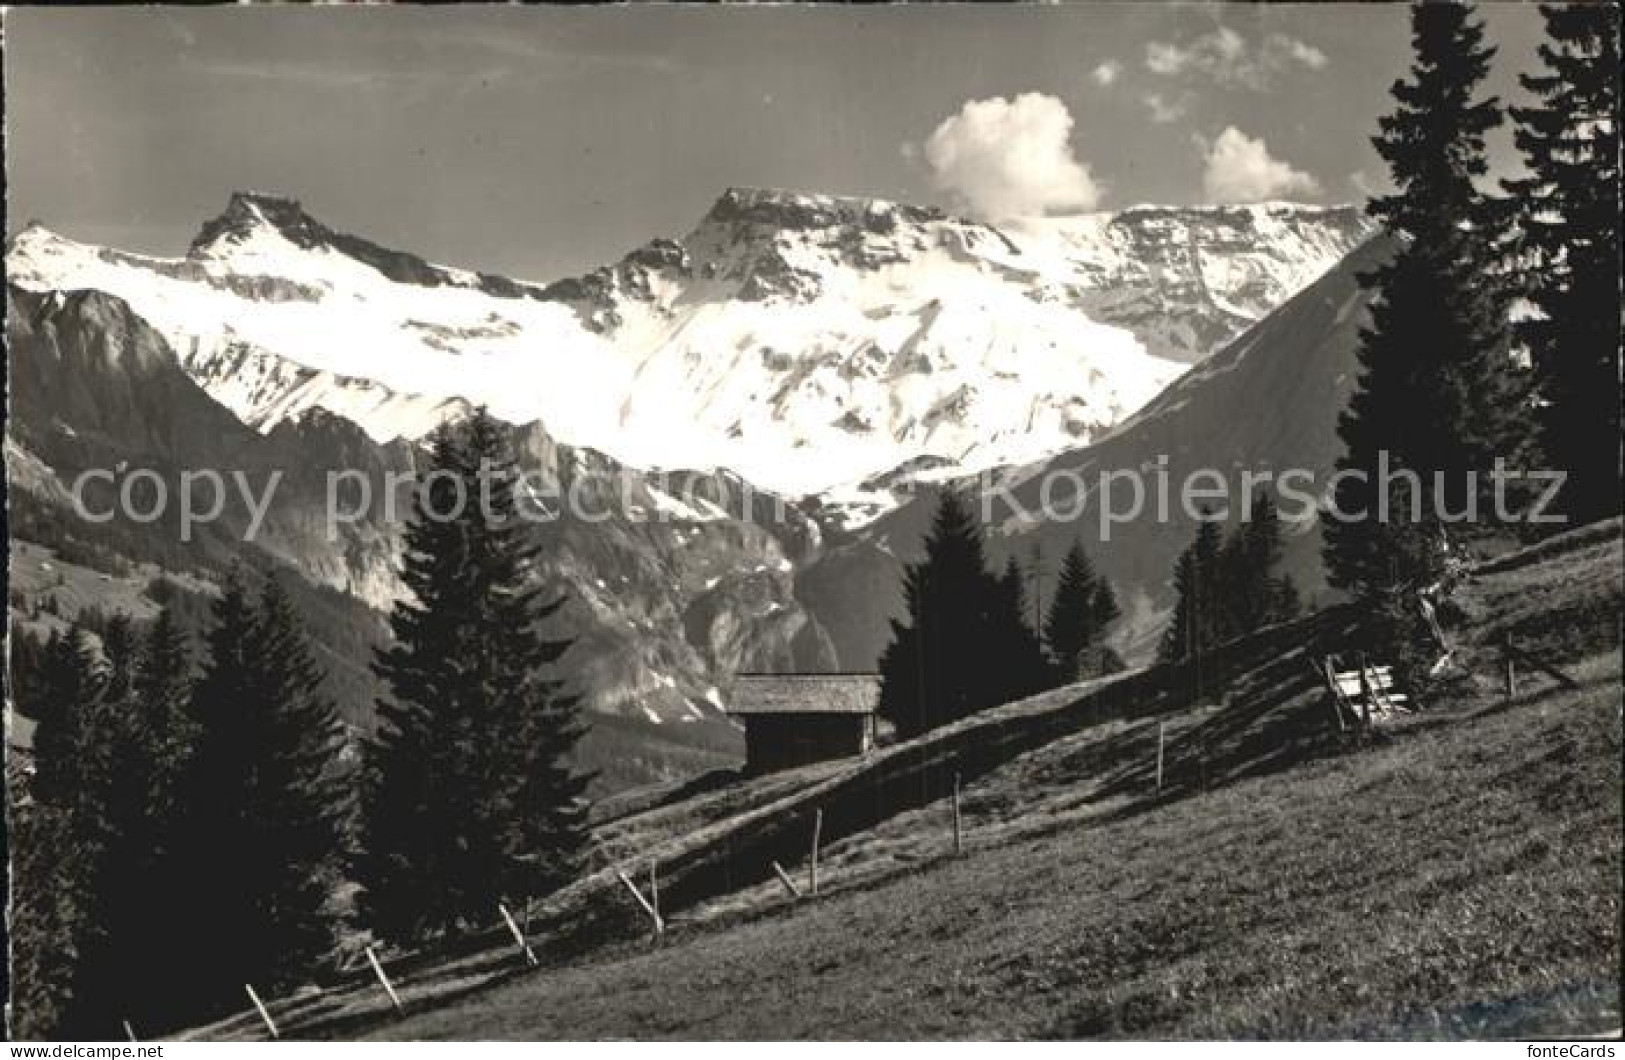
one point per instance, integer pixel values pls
(1080, 613)
(61, 846)
(965, 644)
(1104, 606)
(468, 794)
(1197, 626)
(119, 761)
(150, 908)
(1255, 593)
(1438, 391)
(1570, 250)
(1013, 647)
(926, 670)
(262, 838)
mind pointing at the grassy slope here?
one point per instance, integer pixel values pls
(1460, 878)
(1391, 892)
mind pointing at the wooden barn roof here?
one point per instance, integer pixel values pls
(805, 694)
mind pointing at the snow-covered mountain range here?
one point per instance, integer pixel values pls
(809, 343)
(833, 353)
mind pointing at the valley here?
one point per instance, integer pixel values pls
(280, 346)
(1283, 884)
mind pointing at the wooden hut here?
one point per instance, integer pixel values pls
(794, 719)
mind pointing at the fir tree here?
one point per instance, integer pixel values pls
(151, 909)
(1014, 647)
(61, 846)
(965, 644)
(1570, 250)
(1438, 391)
(468, 793)
(1197, 625)
(1080, 614)
(262, 836)
(1255, 594)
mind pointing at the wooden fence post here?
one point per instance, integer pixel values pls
(1162, 729)
(264, 1015)
(654, 886)
(959, 837)
(394, 998)
(519, 936)
(654, 914)
(812, 865)
(1365, 700)
(784, 878)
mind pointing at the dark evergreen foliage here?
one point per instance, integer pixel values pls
(262, 835)
(468, 797)
(1197, 626)
(1080, 616)
(1254, 595)
(174, 841)
(62, 843)
(965, 644)
(1229, 585)
(1569, 251)
(1438, 391)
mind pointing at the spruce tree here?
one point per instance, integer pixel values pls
(1438, 390)
(965, 644)
(88, 872)
(151, 908)
(262, 837)
(1104, 607)
(1255, 593)
(61, 847)
(1015, 650)
(1570, 250)
(1197, 625)
(926, 675)
(468, 794)
(121, 757)
(1080, 613)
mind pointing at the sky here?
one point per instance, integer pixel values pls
(541, 142)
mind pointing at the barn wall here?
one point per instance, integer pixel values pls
(780, 741)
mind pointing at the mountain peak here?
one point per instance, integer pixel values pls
(781, 208)
(249, 212)
(255, 224)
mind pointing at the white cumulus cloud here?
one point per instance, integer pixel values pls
(1011, 158)
(1107, 73)
(1241, 169)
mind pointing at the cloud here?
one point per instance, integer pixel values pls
(1164, 110)
(1227, 58)
(1241, 169)
(1296, 50)
(1011, 158)
(1106, 73)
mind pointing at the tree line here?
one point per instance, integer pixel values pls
(1229, 585)
(197, 820)
(1495, 325)
(966, 644)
